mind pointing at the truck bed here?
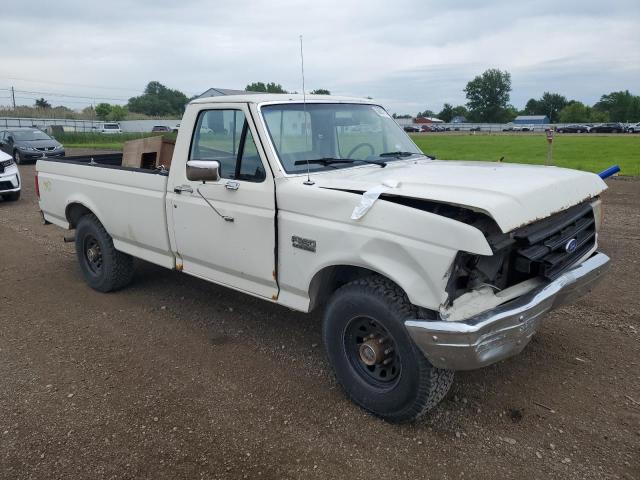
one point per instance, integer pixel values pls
(105, 160)
(129, 202)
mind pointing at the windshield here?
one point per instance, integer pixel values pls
(28, 135)
(334, 131)
(112, 126)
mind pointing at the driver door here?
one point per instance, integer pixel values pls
(224, 231)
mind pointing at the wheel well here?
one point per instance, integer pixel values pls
(74, 212)
(329, 279)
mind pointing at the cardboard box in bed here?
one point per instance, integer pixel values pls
(148, 153)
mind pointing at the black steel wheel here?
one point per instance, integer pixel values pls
(93, 254)
(373, 357)
(371, 350)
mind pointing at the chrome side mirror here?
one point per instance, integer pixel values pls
(203, 170)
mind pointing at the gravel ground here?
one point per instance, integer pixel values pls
(178, 378)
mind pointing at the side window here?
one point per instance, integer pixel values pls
(224, 135)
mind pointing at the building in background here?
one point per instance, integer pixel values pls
(423, 120)
(220, 92)
(531, 120)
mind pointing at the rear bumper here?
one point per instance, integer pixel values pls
(503, 331)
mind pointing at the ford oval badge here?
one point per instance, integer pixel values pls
(571, 245)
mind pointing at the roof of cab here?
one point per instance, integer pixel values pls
(278, 97)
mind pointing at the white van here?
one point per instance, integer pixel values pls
(110, 128)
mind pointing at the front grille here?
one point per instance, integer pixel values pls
(45, 149)
(546, 248)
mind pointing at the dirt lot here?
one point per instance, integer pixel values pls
(177, 378)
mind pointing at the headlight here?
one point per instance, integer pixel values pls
(59, 147)
(27, 149)
(7, 163)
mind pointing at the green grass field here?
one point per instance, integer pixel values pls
(102, 141)
(592, 153)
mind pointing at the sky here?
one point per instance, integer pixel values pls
(408, 55)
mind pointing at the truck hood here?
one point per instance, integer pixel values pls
(512, 194)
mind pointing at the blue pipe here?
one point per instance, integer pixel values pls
(609, 172)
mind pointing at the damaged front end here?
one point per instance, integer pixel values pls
(496, 304)
(522, 261)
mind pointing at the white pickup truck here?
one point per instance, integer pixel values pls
(422, 267)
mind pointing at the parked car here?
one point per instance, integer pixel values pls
(176, 128)
(411, 128)
(634, 128)
(452, 267)
(25, 144)
(10, 181)
(160, 128)
(607, 128)
(573, 128)
(475, 129)
(111, 128)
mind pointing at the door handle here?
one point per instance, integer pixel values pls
(232, 185)
(183, 188)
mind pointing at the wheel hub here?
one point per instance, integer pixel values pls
(371, 352)
(92, 254)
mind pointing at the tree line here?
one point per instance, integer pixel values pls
(158, 100)
(488, 96)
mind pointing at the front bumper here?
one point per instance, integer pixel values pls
(10, 181)
(35, 155)
(503, 331)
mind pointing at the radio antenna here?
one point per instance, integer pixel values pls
(308, 181)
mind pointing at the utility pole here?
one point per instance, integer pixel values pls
(13, 98)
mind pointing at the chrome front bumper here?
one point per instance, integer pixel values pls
(503, 331)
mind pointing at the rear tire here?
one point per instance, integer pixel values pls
(373, 357)
(104, 268)
(11, 197)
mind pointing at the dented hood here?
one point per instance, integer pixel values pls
(512, 194)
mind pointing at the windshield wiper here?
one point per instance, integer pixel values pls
(333, 161)
(404, 154)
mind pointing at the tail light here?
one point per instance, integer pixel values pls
(37, 187)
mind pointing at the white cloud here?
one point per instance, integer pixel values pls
(409, 55)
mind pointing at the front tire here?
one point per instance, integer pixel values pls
(11, 197)
(17, 158)
(104, 268)
(374, 359)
